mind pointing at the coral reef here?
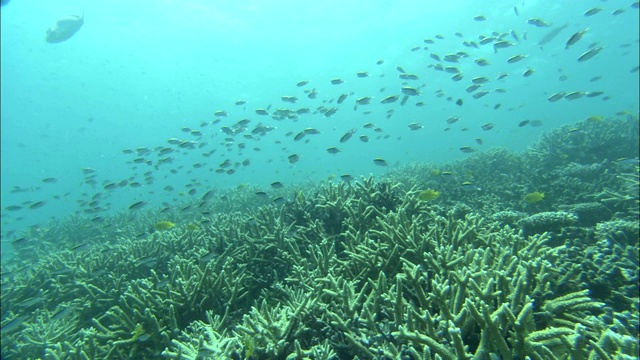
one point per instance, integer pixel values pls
(547, 222)
(352, 269)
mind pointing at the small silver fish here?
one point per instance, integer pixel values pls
(148, 261)
(207, 257)
(50, 180)
(137, 205)
(347, 135)
(626, 162)
(13, 324)
(64, 28)
(473, 88)
(293, 158)
(574, 95)
(390, 99)
(555, 97)
(515, 58)
(487, 126)
(380, 162)
(470, 44)
(208, 195)
(589, 54)
(469, 186)
(406, 76)
(575, 37)
(37, 205)
(451, 57)
(299, 136)
(551, 35)
(330, 112)
(515, 35)
(538, 22)
(280, 200)
(479, 80)
(593, 11)
(486, 40)
(480, 94)
(407, 90)
(365, 100)
(30, 302)
(502, 44)
(62, 313)
(80, 247)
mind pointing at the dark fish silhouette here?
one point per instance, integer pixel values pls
(64, 28)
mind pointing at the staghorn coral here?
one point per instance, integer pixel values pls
(362, 269)
(508, 217)
(454, 301)
(619, 231)
(547, 222)
(589, 214)
(594, 142)
(203, 341)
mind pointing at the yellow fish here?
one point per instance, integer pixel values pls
(164, 225)
(596, 118)
(428, 194)
(534, 197)
(192, 227)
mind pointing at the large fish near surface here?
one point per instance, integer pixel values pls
(64, 28)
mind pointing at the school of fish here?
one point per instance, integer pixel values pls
(224, 143)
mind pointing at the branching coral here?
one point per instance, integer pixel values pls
(362, 269)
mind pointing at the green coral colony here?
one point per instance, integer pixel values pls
(367, 269)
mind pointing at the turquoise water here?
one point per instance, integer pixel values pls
(292, 179)
(135, 74)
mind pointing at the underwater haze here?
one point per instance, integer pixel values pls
(137, 73)
(291, 179)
